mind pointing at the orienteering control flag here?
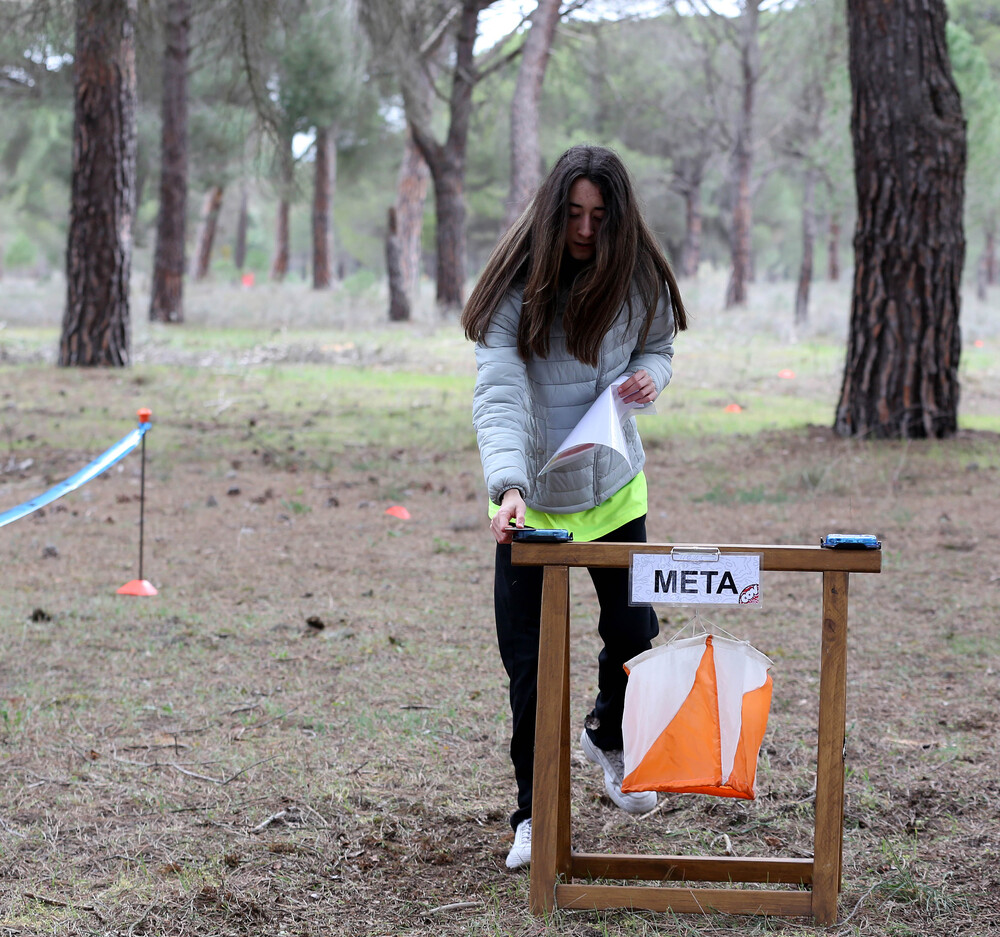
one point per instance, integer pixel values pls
(695, 714)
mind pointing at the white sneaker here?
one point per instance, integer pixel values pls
(613, 763)
(520, 852)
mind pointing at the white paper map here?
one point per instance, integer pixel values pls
(601, 425)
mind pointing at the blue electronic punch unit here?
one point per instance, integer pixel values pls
(851, 542)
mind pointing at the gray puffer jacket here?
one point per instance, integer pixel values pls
(523, 411)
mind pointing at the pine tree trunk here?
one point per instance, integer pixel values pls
(204, 239)
(167, 300)
(833, 249)
(742, 159)
(96, 323)
(808, 243)
(325, 171)
(740, 274)
(449, 202)
(525, 149)
(990, 253)
(242, 224)
(691, 256)
(279, 264)
(399, 303)
(901, 372)
(282, 248)
(447, 164)
(411, 195)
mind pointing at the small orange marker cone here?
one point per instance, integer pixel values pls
(786, 374)
(397, 510)
(733, 408)
(138, 587)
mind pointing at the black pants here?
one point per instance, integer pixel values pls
(626, 631)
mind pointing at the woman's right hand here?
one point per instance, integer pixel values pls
(512, 509)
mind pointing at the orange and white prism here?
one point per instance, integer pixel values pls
(695, 715)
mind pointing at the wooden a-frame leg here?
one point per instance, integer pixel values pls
(550, 826)
(828, 843)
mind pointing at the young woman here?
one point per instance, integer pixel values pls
(576, 295)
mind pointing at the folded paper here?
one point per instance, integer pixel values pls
(601, 425)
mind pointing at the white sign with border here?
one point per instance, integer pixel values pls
(705, 577)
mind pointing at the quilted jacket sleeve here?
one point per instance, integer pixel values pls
(655, 356)
(501, 404)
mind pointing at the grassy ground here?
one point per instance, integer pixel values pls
(305, 732)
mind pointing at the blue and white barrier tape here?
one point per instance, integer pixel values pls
(101, 464)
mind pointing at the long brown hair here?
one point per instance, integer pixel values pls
(628, 264)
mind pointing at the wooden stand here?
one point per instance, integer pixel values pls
(554, 864)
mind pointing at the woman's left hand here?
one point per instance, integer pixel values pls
(639, 388)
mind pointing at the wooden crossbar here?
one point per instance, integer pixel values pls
(554, 864)
(804, 559)
(684, 900)
(693, 868)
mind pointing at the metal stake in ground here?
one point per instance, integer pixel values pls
(140, 586)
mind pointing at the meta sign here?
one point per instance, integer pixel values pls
(695, 578)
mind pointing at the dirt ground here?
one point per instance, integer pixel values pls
(305, 732)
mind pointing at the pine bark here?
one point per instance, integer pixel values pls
(901, 373)
(323, 188)
(282, 247)
(242, 224)
(691, 254)
(205, 238)
(411, 196)
(990, 256)
(96, 322)
(167, 300)
(279, 263)
(525, 149)
(808, 247)
(742, 158)
(833, 249)
(399, 303)
(449, 203)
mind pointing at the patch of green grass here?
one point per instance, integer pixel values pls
(903, 884)
(304, 414)
(980, 422)
(442, 545)
(12, 719)
(691, 413)
(295, 507)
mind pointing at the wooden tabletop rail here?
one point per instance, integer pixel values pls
(554, 864)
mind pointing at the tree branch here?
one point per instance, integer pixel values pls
(431, 43)
(482, 73)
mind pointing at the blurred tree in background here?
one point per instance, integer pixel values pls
(167, 300)
(525, 150)
(36, 127)
(980, 89)
(735, 126)
(427, 41)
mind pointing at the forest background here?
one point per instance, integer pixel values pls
(664, 91)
